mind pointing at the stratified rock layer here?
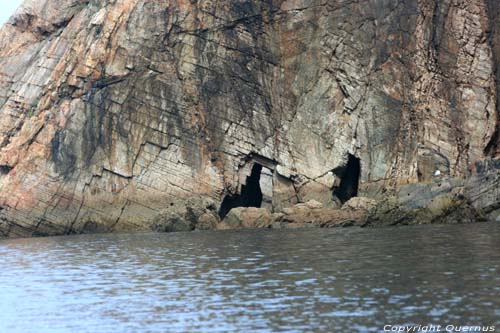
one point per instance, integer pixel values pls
(113, 111)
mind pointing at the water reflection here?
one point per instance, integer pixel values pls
(256, 281)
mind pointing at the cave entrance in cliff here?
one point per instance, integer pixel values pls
(251, 193)
(349, 179)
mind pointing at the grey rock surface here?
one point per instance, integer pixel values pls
(112, 110)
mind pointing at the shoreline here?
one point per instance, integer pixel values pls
(445, 200)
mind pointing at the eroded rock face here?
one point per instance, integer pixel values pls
(444, 209)
(109, 110)
(186, 215)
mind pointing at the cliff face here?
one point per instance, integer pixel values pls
(112, 111)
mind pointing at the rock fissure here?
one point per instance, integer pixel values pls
(180, 99)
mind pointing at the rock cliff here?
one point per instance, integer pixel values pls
(114, 112)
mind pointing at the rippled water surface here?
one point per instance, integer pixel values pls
(348, 280)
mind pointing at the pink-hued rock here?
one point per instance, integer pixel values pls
(110, 110)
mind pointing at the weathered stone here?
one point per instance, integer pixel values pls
(186, 215)
(171, 222)
(207, 221)
(324, 217)
(247, 218)
(110, 110)
(445, 209)
(314, 191)
(311, 204)
(360, 203)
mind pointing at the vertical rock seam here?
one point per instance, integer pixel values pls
(113, 111)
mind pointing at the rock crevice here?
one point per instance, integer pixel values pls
(178, 100)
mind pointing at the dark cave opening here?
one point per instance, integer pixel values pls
(349, 179)
(251, 193)
(5, 169)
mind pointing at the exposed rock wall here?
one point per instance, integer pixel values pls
(112, 111)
